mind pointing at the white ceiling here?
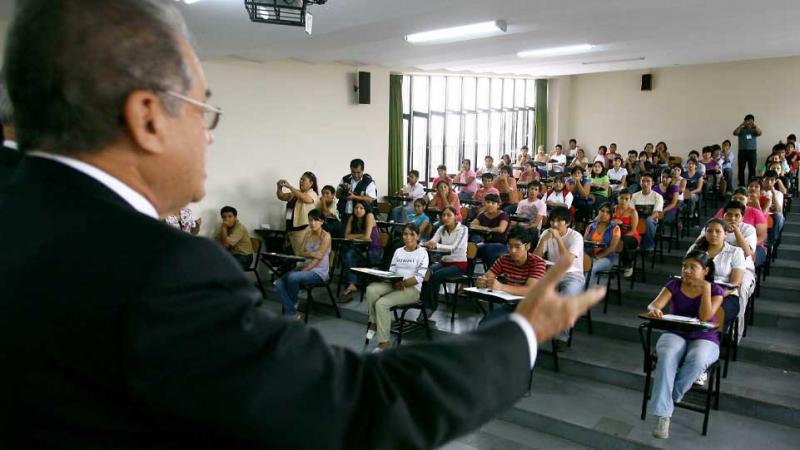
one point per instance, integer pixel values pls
(370, 32)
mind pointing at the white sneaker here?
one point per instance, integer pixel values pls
(370, 334)
(662, 428)
(702, 380)
(628, 272)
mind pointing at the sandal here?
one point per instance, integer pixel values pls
(346, 296)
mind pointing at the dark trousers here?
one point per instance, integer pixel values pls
(244, 260)
(746, 158)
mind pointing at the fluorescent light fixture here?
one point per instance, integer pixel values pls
(464, 32)
(188, 2)
(556, 51)
(612, 61)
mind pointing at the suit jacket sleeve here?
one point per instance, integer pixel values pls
(200, 355)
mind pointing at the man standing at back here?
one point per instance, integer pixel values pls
(356, 185)
(748, 132)
(157, 340)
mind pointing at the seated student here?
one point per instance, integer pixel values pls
(709, 162)
(515, 272)
(694, 184)
(414, 190)
(234, 237)
(752, 215)
(726, 162)
(560, 241)
(534, 209)
(601, 155)
(611, 155)
(617, 176)
(652, 158)
(662, 153)
(557, 161)
(441, 175)
(669, 192)
(410, 261)
(505, 161)
(579, 160)
(327, 208)
(559, 194)
(756, 200)
(650, 198)
(598, 184)
(452, 236)
(419, 218)
(530, 173)
(774, 157)
(694, 155)
(317, 248)
(487, 187)
(627, 218)
(523, 157)
(679, 184)
(488, 167)
(694, 295)
(775, 197)
(467, 177)
(360, 226)
(606, 236)
(729, 263)
(496, 221)
(507, 186)
(631, 166)
(580, 185)
(444, 197)
(299, 201)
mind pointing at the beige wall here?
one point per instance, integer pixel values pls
(688, 107)
(281, 119)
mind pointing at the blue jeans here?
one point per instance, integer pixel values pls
(601, 265)
(289, 285)
(354, 257)
(465, 196)
(439, 273)
(777, 227)
(761, 256)
(649, 238)
(671, 381)
(400, 213)
(245, 261)
(490, 251)
(728, 175)
(571, 284)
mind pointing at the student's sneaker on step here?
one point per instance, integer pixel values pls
(702, 380)
(662, 428)
(628, 272)
(370, 334)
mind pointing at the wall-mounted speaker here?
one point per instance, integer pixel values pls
(364, 88)
(647, 82)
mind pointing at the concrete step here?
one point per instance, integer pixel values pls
(502, 435)
(773, 397)
(606, 416)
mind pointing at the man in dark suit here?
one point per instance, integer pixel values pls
(118, 331)
(9, 154)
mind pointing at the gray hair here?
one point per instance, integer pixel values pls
(71, 65)
(6, 109)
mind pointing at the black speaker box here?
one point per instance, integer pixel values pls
(363, 88)
(647, 82)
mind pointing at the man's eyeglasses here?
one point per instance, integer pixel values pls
(211, 114)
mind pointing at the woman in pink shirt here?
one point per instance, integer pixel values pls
(467, 177)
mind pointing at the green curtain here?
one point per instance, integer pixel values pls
(395, 133)
(541, 115)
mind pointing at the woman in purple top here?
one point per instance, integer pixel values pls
(669, 192)
(361, 226)
(694, 295)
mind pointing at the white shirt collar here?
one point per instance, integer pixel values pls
(10, 144)
(135, 199)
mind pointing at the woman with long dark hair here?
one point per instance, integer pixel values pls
(693, 295)
(360, 226)
(299, 201)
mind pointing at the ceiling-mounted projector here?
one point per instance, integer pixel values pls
(282, 12)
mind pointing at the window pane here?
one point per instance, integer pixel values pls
(437, 142)
(469, 94)
(497, 93)
(454, 93)
(530, 93)
(508, 93)
(470, 138)
(483, 93)
(519, 93)
(531, 127)
(483, 136)
(437, 93)
(519, 131)
(420, 93)
(419, 138)
(406, 94)
(452, 143)
(495, 122)
(509, 139)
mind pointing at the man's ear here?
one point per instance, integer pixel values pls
(145, 120)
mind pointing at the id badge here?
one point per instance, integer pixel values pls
(748, 136)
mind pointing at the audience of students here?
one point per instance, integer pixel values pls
(409, 261)
(523, 156)
(683, 357)
(234, 237)
(316, 248)
(579, 160)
